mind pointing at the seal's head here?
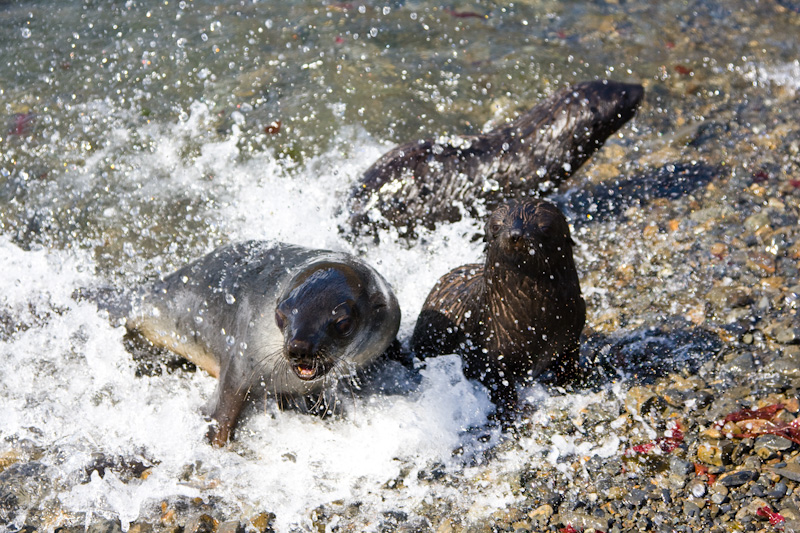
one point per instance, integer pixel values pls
(333, 317)
(530, 235)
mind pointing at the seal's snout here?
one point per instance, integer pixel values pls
(302, 357)
(515, 235)
(628, 98)
(633, 93)
(300, 349)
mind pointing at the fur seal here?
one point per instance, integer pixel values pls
(269, 318)
(426, 182)
(518, 314)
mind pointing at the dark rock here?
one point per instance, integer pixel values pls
(778, 491)
(636, 497)
(736, 479)
(741, 450)
(691, 509)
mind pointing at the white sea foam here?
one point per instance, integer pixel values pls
(786, 75)
(67, 382)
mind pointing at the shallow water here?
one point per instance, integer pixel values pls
(138, 135)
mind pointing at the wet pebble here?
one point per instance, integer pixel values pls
(540, 517)
(691, 509)
(719, 494)
(773, 442)
(712, 454)
(696, 488)
(739, 478)
(583, 521)
(679, 466)
(778, 491)
(791, 471)
(636, 497)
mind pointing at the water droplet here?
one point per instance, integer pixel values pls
(26, 33)
(229, 298)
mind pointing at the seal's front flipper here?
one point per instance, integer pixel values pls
(227, 407)
(395, 352)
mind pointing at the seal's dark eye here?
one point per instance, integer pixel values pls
(280, 320)
(344, 326)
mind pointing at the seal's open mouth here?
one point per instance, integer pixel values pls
(305, 372)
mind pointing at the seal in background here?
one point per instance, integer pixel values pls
(432, 181)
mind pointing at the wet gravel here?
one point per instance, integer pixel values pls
(692, 318)
(692, 293)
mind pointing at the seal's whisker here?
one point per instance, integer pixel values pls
(259, 367)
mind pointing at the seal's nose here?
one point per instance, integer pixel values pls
(514, 235)
(299, 348)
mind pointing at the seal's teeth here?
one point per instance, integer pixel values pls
(306, 372)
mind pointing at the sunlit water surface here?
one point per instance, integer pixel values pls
(137, 135)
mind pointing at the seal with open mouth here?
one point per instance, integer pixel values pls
(269, 318)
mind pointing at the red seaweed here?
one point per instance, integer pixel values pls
(774, 518)
(684, 71)
(790, 431)
(787, 430)
(765, 413)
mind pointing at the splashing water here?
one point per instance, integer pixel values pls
(139, 135)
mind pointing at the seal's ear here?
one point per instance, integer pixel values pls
(377, 301)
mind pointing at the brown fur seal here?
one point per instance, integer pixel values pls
(269, 318)
(426, 182)
(518, 314)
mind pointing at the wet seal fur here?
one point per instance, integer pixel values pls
(432, 181)
(269, 318)
(518, 314)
